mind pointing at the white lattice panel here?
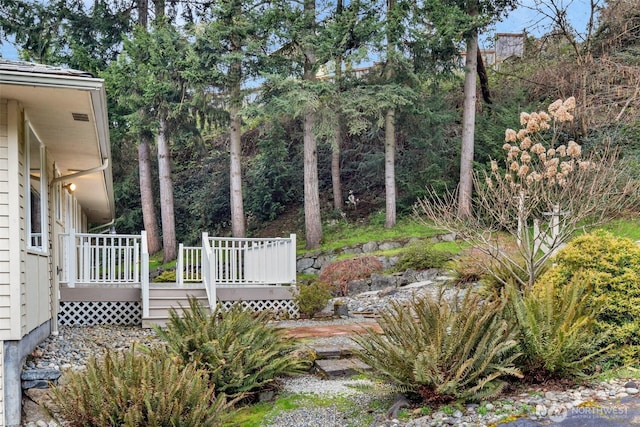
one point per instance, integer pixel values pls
(75, 313)
(277, 307)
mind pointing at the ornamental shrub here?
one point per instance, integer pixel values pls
(340, 273)
(131, 389)
(241, 353)
(422, 256)
(312, 298)
(443, 349)
(167, 276)
(609, 267)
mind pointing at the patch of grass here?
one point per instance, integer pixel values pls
(255, 415)
(343, 234)
(155, 262)
(628, 227)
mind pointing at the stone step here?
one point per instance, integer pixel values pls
(332, 368)
(332, 352)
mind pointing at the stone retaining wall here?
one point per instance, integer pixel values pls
(312, 263)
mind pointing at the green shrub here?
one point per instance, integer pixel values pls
(241, 352)
(443, 349)
(610, 268)
(557, 330)
(139, 390)
(422, 256)
(312, 298)
(167, 276)
(340, 273)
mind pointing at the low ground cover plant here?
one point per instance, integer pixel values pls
(312, 298)
(138, 390)
(241, 354)
(422, 256)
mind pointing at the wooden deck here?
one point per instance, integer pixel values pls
(106, 277)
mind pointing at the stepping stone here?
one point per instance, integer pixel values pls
(331, 368)
(332, 352)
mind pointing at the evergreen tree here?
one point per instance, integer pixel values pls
(230, 45)
(148, 79)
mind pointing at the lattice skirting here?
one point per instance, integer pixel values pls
(89, 313)
(280, 308)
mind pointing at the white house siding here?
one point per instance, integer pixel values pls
(5, 298)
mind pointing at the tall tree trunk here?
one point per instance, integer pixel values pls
(146, 196)
(143, 13)
(166, 192)
(235, 156)
(390, 132)
(465, 188)
(336, 181)
(484, 79)
(338, 200)
(389, 168)
(312, 219)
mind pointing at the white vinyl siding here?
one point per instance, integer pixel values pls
(12, 241)
(5, 290)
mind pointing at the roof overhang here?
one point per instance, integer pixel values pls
(68, 112)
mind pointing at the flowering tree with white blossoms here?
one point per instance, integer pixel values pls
(544, 193)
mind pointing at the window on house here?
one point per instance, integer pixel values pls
(37, 184)
(59, 199)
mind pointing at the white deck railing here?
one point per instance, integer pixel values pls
(189, 265)
(100, 258)
(119, 259)
(240, 261)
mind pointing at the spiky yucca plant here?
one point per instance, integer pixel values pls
(558, 330)
(240, 351)
(443, 349)
(132, 390)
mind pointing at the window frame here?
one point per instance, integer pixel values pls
(32, 140)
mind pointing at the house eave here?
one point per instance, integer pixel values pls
(58, 79)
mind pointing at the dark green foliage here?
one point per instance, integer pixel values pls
(239, 350)
(558, 337)
(610, 268)
(312, 298)
(273, 175)
(422, 256)
(142, 390)
(444, 349)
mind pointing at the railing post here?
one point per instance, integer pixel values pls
(180, 265)
(144, 273)
(71, 259)
(294, 259)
